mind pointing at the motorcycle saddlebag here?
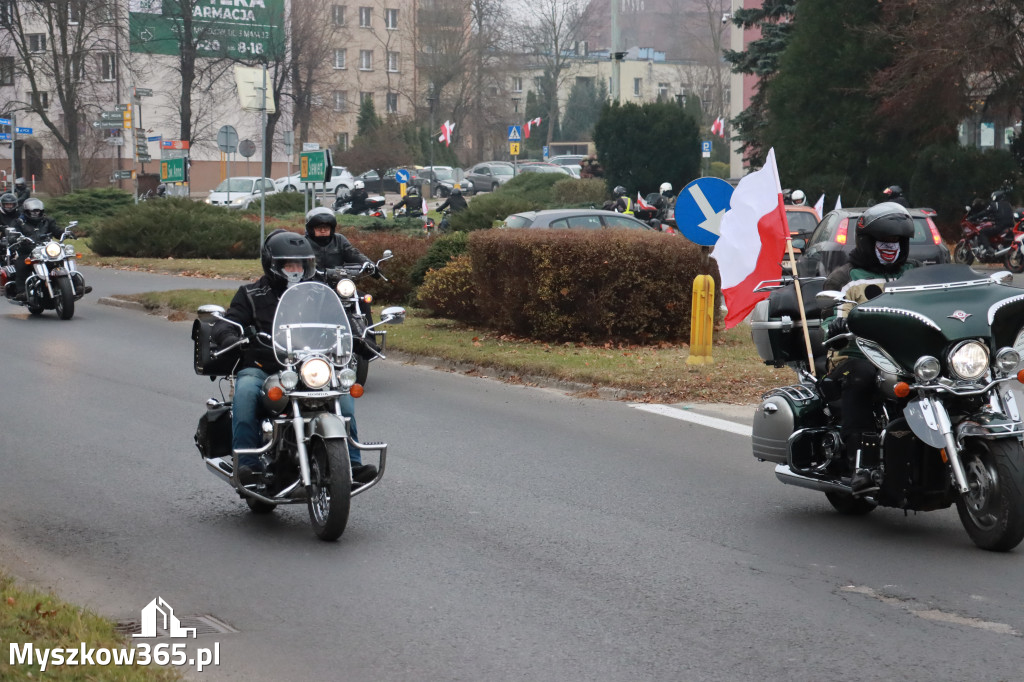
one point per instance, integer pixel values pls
(213, 435)
(202, 358)
(782, 412)
(776, 329)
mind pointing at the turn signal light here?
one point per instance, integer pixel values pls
(1020, 376)
(356, 391)
(275, 393)
(78, 255)
(28, 261)
(367, 299)
(902, 389)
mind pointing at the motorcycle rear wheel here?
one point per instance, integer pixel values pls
(64, 301)
(962, 253)
(848, 505)
(992, 512)
(1014, 261)
(330, 487)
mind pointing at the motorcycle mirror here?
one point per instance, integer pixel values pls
(393, 315)
(210, 312)
(826, 298)
(1002, 277)
(799, 243)
(387, 254)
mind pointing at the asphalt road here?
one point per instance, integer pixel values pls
(519, 534)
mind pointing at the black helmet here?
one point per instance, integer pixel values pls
(892, 192)
(618, 191)
(280, 247)
(887, 221)
(8, 203)
(33, 211)
(321, 216)
(999, 195)
(413, 191)
(456, 192)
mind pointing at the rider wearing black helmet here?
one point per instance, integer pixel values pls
(621, 202)
(22, 191)
(412, 201)
(287, 259)
(9, 214)
(894, 193)
(331, 249)
(1000, 212)
(883, 235)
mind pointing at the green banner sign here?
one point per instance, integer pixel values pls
(172, 170)
(313, 166)
(240, 29)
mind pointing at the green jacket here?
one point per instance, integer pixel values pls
(852, 282)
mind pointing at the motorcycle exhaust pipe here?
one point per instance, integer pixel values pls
(1003, 251)
(790, 477)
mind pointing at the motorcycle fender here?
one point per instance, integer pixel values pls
(924, 422)
(327, 426)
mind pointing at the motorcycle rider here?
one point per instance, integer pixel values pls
(883, 244)
(456, 203)
(358, 198)
(21, 191)
(9, 214)
(161, 190)
(1000, 211)
(620, 202)
(894, 193)
(38, 227)
(798, 198)
(413, 203)
(329, 248)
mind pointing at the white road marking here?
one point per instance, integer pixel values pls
(695, 418)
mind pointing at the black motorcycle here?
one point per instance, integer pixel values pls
(947, 343)
(54, 282)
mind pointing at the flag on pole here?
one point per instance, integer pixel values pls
(529, 124)
(716, 127)
(446, 133)
(819, 206)
(721, 127)
(752, 241)
(839, 201)
(643, 205)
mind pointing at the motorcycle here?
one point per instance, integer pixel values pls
(305, 449)
(55, 282)
(374, 207)
(369, 341)
(972, 244)
(947, 342)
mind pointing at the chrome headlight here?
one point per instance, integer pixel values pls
(346, 288)
(289, 379)
(316, 373)
(38, 253)
(969, 360)
(347, 377)
(69, 250)
(927, 368)
(52, 250)
(1007, 361)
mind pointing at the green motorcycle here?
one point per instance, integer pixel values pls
(947, 343)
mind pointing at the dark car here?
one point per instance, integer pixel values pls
(443, 179)
(487, 177)
(575, 219)
(390, 183)
(833, 239)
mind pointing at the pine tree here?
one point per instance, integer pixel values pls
(582, 109)
(368, 120)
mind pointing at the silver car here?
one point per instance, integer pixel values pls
(487, 177)
(575, 219)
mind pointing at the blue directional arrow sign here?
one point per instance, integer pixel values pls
(515, 133)
(700, 207)
(402, 176)
(24, 131)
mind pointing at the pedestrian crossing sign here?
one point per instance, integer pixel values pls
(513, 149)
(515, 133)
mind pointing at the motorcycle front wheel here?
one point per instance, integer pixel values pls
(64, 301)
(962, 253)
(330, 487)
(1014, 261)
(992, 511)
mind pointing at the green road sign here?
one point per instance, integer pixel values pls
(313, 166)
(111, 115)
(143, 92)
(122, 107)
(123, 175)
(172, 170)
(107, 124)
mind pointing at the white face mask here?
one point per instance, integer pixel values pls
(887, 252)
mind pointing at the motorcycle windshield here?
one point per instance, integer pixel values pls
(311, 320)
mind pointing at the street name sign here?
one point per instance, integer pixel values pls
(313, 166)
(172, 170)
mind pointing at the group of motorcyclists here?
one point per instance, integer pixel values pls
(27, 217)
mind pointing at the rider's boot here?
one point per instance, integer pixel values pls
(863, 455)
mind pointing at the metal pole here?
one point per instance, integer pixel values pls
(14, 139)
(616, 90)
(433, 179)
(263, 165)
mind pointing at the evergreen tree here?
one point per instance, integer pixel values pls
(642, 146)
(368, 120)
(582, 109)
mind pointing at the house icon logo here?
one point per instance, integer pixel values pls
(159, 611)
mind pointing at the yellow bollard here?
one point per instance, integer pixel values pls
(702, 320)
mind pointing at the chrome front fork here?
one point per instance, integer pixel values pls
(945, 427)
(300, 442)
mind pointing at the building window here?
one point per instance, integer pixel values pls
(74, 13)
(366, 60)
(75, 69)
(341, 101)
(6, 12)
(338, 15)
(517, 84)
(108, 66)
(339, 58)
(392, 103)
(663, 91)
(341, 141)
(391, 19)
(366, 97)
(637, 85)
(37, 42)
(6, 70)
(39, 100)
(393, 62)
(364, 16)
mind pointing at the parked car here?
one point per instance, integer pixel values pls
(487, 177)
(442, 181)
(542, 167)
(802, 221)
(240, 192)
(567, 159)
(341, 180)
(574, 219)
(390, 182)
(833, 239)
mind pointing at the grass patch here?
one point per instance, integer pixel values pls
(656, 373)
(47, 622)
(244, 269)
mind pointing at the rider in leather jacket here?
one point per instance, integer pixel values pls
(38, 227)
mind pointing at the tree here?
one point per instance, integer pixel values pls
(774, 19)
(368, 120)
(641, 146)
(379, 148)
(582, 110)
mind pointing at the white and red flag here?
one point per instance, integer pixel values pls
(752, 241)
(819, 206)
(839, 201)
(446, 133)
(716, 127)
(721, 127)
(529, 124)
(643, 205)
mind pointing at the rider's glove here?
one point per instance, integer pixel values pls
(837, 326)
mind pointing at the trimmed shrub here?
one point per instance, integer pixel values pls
(449, 292)
(177, 228)
(441, 251)
(563, 285)
(526, 192)
(570, 192)
(407, 251)
(88, 206)
(280, 204)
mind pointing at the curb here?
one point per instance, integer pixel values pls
(121, 303)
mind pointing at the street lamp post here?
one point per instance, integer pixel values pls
(431, 100)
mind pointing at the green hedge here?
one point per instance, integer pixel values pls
(569, 192)
(177, 228)
(449, 291)
(441, 251)
(407, 250)
(567, 285)
(90, 207)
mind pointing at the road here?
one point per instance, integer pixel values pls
(520, 533)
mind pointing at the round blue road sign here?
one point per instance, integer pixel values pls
(700, 207)
(402, 176)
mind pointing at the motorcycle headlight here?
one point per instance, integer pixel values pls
(1007, 361)
(52, 250)
(347, 377)
(346, 288)
(316, 373)
(69, 250)
(969, 360)
(289, 379)
(927, 368)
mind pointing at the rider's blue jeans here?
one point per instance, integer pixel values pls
(246, 412)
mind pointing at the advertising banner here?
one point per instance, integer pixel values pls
(239, 29)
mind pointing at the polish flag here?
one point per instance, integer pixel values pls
(721, 127)
(529, 124)
(446, 133)
(716, 127)
(643, 205)
(819, 206)
(754, 233)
